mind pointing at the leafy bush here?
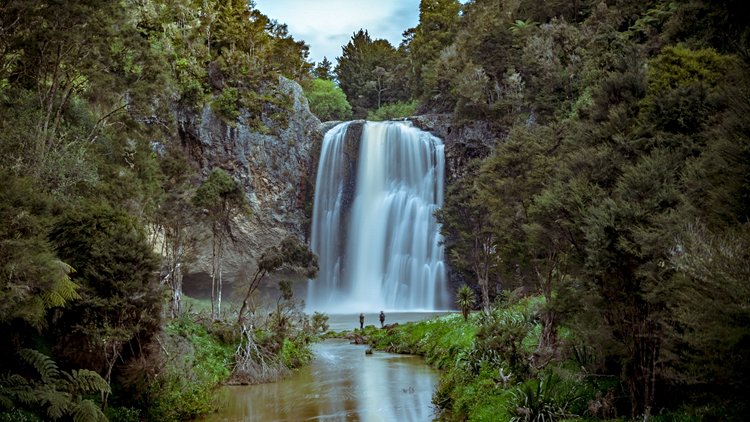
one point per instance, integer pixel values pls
(327, 100)
(548, 399)
(185, 387)
(123, 414)
(226, 104)
(319, 323)
(501, 339)
(393, 111)
(293, 354)
(18, 415)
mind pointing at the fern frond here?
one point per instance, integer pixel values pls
(44, 365)
(87, 411)
(5, 401)
(86, 381)
(12, 380)
(59, 403)
(63, 290)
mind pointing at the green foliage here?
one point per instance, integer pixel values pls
(18, 415)
(33, 278)
(327, 100)
(319, 323)
(367, 72)
(547, 399)
(294, 355)
(500, 339)
(465, 299)
(324, 70)
(393, 111)
(120, 301)
(438, 23)
(123, 414)
(220, 195)
(226, 104)
(58, 393)
(185, 386)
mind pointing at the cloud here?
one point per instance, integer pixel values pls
(327, 25)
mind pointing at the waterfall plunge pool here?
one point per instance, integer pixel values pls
(341, 383)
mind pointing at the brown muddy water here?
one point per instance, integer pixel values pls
(341, 384)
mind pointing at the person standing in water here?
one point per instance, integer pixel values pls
(382, 319)
(361, 321)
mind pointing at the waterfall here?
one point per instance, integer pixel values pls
(373, 229)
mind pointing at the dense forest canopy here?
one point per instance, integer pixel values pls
(616, 185)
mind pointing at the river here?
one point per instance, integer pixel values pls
(341, 383)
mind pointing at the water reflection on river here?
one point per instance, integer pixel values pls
(342, 383)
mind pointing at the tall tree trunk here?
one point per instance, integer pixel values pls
(484, 287)
(219, 284)
(213, 272)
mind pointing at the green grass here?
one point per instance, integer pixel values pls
(470, 355)
(439, 340)
(202, 362)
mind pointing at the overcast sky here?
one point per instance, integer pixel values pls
(326, 25)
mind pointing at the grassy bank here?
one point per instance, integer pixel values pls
(471, 355)
(194, 355)
(487, 372)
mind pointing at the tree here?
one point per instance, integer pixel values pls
(365, 73)
(327, 100)
(324, 70)
(470, 239)
(120, 305)
(32, 278)
(292, 253)
(221, 200)
(438, 24)
(710, 309)
(174, 218)
(465, 300)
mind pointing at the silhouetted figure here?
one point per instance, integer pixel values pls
(382, 319)
(361, 321)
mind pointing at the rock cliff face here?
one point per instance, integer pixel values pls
(463, 141)
(277, 168)
(273, 166)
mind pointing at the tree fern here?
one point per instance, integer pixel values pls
(58, 393)
(87, 411)
(44, 365)
(63, 290)
(87, 381)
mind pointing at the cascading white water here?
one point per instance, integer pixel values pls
(381, 249)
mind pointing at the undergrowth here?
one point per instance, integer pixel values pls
(486, 371)
(199, 363)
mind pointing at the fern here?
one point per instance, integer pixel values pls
(63, 290)
(60, 393)
(58, 403)
(87, 411)
(44, 365)
(87, 381)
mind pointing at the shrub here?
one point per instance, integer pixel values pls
(393, 111)
(548, 399)
(319, 323)
(327, 100)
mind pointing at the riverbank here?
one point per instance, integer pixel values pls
(340, 383)
(485, 370)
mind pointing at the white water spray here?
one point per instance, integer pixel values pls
(381, 251)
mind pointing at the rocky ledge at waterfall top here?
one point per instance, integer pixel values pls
(273, 167)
